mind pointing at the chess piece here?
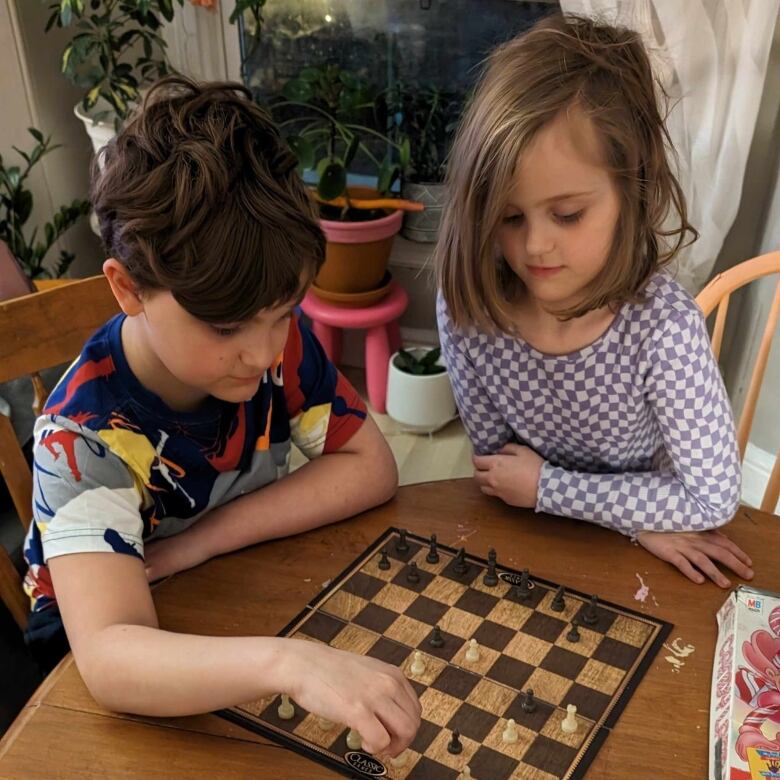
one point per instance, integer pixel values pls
(325, 724)
(529, 702)
(436, 640)
(384, 561)
(286, 711)
(574, 634)
(399, 760)
(460, 566)
(433, 551)
(558, 604)
(412, 575)
(354, 740)
(455, 746)
(510, 735)
(524, 588)
(569, 723)
(589, 615)
(418, 665)
(465, 774)
(402, 546)
(491, 578)
(472, 654)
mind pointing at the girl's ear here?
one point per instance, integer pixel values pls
(123, 287)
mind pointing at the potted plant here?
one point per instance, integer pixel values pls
(115, 52)
(419, 394)
(329, 117)
(16, 203)
(427, 117)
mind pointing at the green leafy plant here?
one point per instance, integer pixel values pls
(251, 11)
(335, 118)
(16, 205)
(426, 365)
(116, 49)
(427, 117)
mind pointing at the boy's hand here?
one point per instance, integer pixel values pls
(700, 550)
(365, 694)
(171, 555)
(512, 475)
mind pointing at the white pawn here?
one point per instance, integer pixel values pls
(418, 665)
(325, 724)
(472, 654)
(510, 732)
(286, 711)
(569, 723)
(354, 740)
(399, 760)
(465, 774)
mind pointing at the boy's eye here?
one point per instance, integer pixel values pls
(224, 331)
(569, 219)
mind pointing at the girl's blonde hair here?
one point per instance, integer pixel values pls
(562, 62)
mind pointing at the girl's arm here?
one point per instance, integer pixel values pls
(699, 489)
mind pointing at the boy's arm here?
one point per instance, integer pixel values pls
(131, 665)
(329, 488)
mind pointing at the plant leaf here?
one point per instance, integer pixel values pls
(333, 178)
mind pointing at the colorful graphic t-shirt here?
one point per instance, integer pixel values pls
(114, 466)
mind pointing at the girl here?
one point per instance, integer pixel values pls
(583, 372)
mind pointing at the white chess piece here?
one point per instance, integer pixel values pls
(510, 732)
(354, 740)
(472, 654)
(418, 665)
(399, 760)
(465, 774)
(286, 711)
(325, 724)
(569, 723)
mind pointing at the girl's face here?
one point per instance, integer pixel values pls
(560, 218)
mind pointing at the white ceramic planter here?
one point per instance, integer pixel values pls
(419, 404)
(100, 133)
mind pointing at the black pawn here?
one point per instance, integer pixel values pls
(589, 615)
(412, 575)
(574, 634)
(558, 604)
(529, 702)
(460, 567)
(522, 591)
(436, 640)
(402, 546)
(384, 561)
(491, 578)
(433, 552)
(455, 746)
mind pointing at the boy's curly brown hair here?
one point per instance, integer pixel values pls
(199, 194)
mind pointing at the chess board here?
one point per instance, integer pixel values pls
(381, 614)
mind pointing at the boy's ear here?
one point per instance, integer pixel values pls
(123, 287)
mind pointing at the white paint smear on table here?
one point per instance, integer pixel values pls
(678, 652)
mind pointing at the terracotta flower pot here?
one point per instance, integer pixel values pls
(357, 252)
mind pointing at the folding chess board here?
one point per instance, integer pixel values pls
(380, 613)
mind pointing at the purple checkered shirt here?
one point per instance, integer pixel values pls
(635, 429)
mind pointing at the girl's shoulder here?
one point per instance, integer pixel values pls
(664, 299)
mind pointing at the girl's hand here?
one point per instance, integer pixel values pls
(512, 475)
(691, 551)
(360, 692)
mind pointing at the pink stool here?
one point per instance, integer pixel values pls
(383, 336)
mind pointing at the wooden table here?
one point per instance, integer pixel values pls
(63, 733)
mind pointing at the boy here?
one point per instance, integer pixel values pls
(165, 442)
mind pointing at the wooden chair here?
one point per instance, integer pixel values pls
(38, 331)
(716, 295)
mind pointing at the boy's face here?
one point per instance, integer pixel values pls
(558, 225)
(226, 360)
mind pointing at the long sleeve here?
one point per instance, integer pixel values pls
(485, 425)
(698, 487)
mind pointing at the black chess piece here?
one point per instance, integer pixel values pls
(460, 566)
(433, 552)
(574, 633)
(491, 578)
(529, 702)
(590, 616)
(522, 590)
(402, 546)
(558, 604)
(412, 575)
(436, 640)
(384, 561)
(455, 746)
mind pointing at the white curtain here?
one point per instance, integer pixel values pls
(711, 56)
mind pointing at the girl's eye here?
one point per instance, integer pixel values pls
(569, 219)
(514, 219)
